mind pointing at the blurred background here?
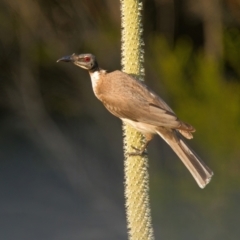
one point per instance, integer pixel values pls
(61, 157)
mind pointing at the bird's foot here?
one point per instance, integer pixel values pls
(138, 152)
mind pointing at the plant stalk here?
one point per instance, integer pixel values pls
(136, 167)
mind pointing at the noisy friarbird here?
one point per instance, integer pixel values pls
(134, 103)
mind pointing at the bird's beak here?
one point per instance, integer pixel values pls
(70, 58)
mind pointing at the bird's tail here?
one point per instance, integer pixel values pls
(199, 170)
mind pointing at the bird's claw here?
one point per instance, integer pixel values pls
(138, 152)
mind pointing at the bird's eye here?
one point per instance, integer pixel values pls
(87, 59)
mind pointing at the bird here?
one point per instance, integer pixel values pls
(137, 105)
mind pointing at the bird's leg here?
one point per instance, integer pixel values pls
(142, 151)
(139, 152)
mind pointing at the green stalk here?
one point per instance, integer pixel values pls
(135, 167)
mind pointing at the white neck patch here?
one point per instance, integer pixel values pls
(95, 78)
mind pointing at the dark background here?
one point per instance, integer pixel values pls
(61, 158)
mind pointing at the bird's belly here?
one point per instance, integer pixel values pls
(141, 127)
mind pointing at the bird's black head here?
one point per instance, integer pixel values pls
(86, 61)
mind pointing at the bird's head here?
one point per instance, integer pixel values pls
(86, 61)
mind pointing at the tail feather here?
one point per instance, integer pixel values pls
(199, 170)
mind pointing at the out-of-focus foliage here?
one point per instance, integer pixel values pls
(232, 53)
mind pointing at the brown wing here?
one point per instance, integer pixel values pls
(125, 97)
